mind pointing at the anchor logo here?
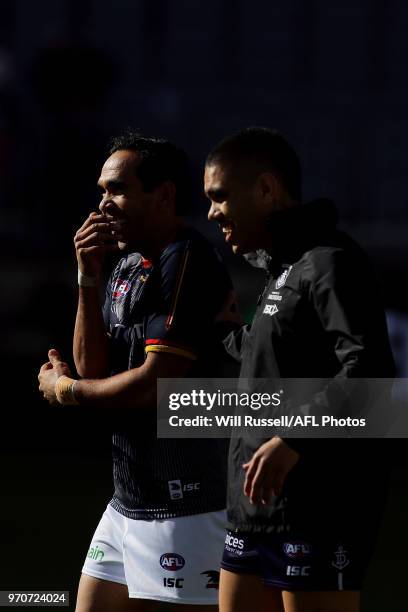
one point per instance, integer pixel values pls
(341, 559)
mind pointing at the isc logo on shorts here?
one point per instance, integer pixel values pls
(298, 570)
(172, 562)
(173, 583)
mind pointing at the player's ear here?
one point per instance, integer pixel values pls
(166, 196)
(268, 186)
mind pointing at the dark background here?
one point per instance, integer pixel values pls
(331, 76)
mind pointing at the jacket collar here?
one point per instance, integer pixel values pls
(294, 231)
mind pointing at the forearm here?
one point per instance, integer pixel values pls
(135, 388)
(130, 389)
(90, 346)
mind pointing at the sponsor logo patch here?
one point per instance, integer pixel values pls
(275, 296)
(175, 489)
(213, 579)
(233, 544)
(120, 288)
(270, 309)
(96, 554)
(296, 550)
(281, 280)
(172, 562)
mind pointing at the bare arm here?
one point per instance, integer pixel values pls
(134, 388)
(90, 346)
(90, 341)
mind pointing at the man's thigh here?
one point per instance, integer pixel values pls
(246, 593)
(321, 601)
(170, 607)
(96, 595)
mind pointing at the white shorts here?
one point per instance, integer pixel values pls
(175, 560)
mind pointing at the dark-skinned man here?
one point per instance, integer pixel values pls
(303, 513)
(161, 536)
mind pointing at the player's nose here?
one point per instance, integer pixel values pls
(106, 206)
(214, 212)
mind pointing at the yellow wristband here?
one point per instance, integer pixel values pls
(64, 390)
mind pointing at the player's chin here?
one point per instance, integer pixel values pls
(244, 245)
(123, 246)
(239, 248)
(239, 244)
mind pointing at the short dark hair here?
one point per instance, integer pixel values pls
(160, 161)
(258, 149)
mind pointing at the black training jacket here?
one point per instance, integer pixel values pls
(319, 316)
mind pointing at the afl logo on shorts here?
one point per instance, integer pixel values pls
(294, 550)
(172, 562)
(120, 288)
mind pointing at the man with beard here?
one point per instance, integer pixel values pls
(161, 536)
(302, 513)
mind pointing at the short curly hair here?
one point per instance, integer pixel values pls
(160, 161)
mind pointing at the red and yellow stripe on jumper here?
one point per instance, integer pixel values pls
(156, 345)
(179, 282)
